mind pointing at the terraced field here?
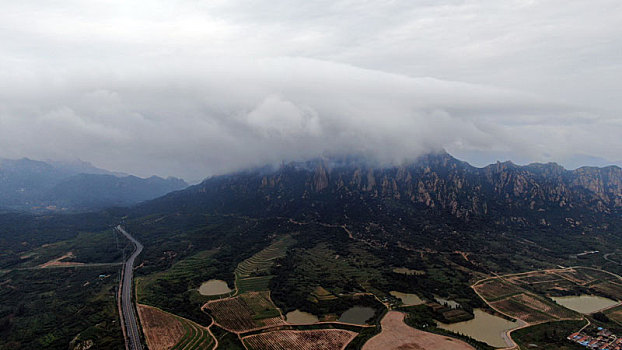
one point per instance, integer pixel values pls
(165, 331)
(253, 274)
(196, 337)
(190, 271)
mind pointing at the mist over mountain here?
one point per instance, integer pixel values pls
(27, 184)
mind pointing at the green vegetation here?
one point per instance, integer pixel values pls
(175, 290)
(51, 308)
(227, 340)
(21, 234)
(253, 274)
(548, 336)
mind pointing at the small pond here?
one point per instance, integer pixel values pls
(214, 287)
(585, 304)
(484, 327)
(357, 315)
(300, 317)
(408, 299)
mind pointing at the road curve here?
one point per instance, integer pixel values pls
(128, 314)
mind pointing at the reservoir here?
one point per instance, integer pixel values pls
(585, 304)
(214, 287)
(357, 315)
(300, 317)
(484, 327)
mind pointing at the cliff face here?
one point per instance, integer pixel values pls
(503, 192)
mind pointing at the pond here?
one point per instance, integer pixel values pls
(408, 299)
(484, 327)
(585, 304)
(357, 315)
(300, 317)
(214, 287)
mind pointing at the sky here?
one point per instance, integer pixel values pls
(198, 88)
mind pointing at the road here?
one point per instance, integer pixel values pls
(127, 307)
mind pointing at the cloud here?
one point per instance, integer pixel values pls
(200, 88)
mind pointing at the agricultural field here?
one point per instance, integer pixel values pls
(165, 331)
(497, 289)
(521, 307)
(245, 312)
(525, 296)
(321, 339)
(253, 274)
(176, 289)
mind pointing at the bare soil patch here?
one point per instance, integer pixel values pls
(396, 335)
(162, 330)
(59, 261)
(321, 339)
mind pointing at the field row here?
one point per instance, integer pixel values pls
(165, 331)
(245, 312)
(321, 339)
(261, 263)
(525, 296)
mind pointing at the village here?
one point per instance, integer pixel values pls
(603, 340)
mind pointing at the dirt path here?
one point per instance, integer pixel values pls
(397, 335)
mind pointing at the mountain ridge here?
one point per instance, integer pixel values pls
(504, 192)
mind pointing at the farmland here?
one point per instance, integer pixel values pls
(508, 295)
(167, 331)
(321, 339)
(525, 295)
(245, 312)
(253, 274)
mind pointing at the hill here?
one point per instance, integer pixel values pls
(35, 185)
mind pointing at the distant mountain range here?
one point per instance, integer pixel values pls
(43, 186)
(434, 188)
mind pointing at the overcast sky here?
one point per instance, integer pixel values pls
(196, 88)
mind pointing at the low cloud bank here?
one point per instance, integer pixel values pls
(233, 114)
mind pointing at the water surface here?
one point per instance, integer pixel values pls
(484, 327)
(408, 299)
(585, 304)
(300, 317)
(214, 287)
(357, 315)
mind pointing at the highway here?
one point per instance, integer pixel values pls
(128, 314)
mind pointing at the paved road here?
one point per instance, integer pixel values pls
(126, 295)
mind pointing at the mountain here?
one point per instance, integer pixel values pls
(434, 187)
(92, 191)
(27, 184)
